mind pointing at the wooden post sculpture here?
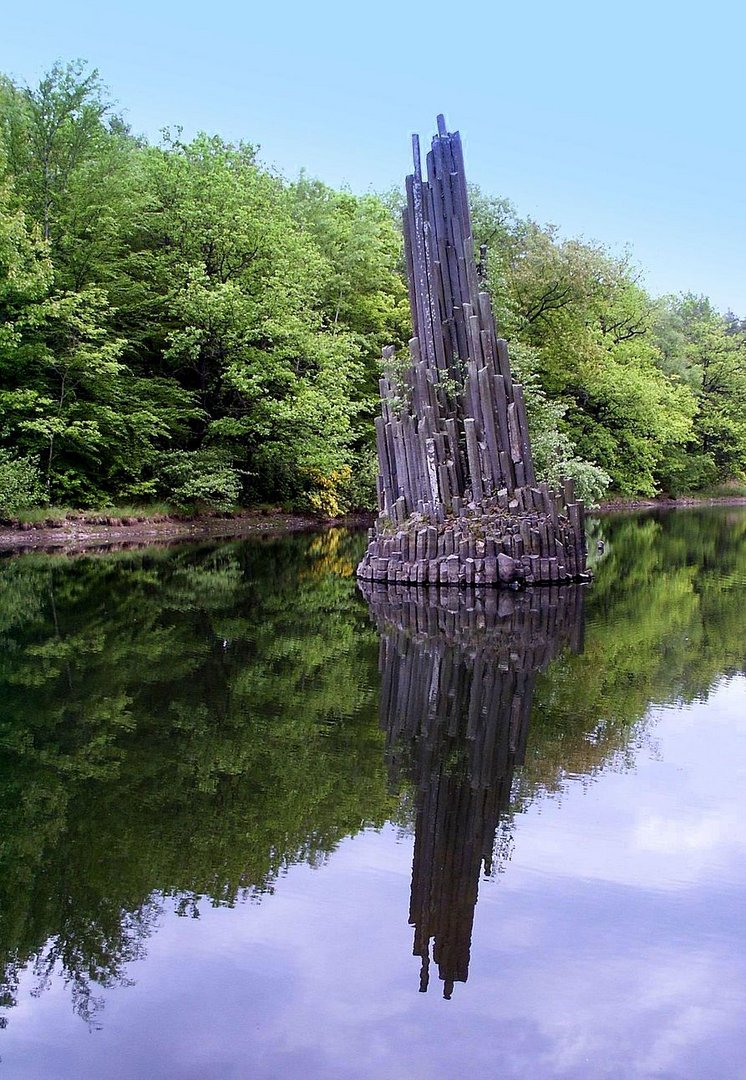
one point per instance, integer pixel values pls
(457, 494)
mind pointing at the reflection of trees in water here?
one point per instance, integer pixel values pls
(178, 724)
(185, 724)
(457, 680)
(89, 957)
(664, 622)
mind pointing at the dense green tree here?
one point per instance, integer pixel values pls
(584, 329)
(363, 290)
(179, 322)
(233, 313)
(66, 398)
(710, 352)
(69, 155)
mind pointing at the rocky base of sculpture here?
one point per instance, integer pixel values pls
(532, 538)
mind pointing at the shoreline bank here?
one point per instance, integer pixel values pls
(102, 532)
(612, 506)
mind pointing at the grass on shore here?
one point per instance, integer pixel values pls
(734, 489)
(131, 513)
(128, 514)
(57, 515)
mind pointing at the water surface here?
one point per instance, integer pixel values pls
(253, 824)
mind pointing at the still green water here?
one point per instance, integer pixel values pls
(236, 796)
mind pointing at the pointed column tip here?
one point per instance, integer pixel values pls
(441, 121)
(416, 157)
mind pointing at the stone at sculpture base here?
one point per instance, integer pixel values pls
(531, 538)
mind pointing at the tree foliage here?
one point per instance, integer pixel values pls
(179, 322)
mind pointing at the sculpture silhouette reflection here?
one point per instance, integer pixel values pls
(457, 680)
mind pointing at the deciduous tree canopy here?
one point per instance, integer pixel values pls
(178, 322)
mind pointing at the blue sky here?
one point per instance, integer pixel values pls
(621, 124)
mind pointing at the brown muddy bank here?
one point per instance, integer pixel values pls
(612, 506)
(102, 532)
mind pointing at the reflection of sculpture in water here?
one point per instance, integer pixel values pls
(457, 681)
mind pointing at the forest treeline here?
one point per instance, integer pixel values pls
(180, 323)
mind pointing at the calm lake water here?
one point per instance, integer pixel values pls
(253, 824)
